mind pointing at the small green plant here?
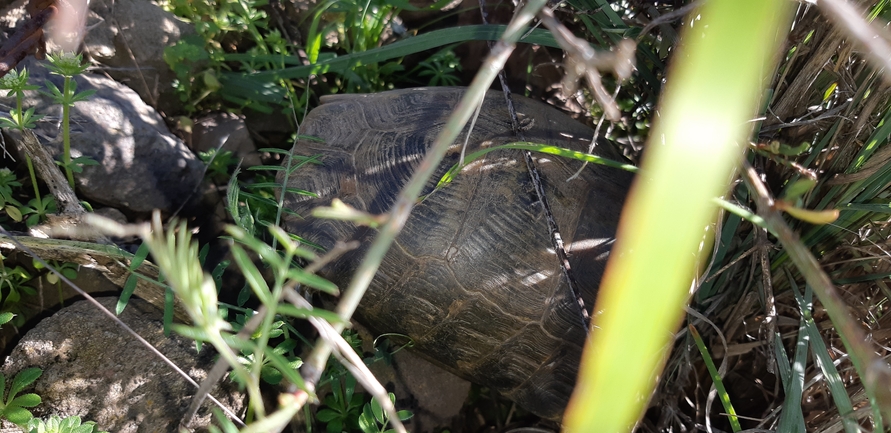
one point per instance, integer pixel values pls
(31, 213)
(198, 60)
(375, 420)
(13, 406)
(359, 25)
(10, 205)
(16, 83)
(68, 270)
(440, 69)
(342, 407)
(219, 163)
(68, 66)
(37, 208)
(286, 349)
(188, 59)
(13, 284)
(54, 424)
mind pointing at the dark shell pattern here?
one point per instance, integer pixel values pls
(473, 279)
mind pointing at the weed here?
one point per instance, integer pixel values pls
(54, 424)
(16, 83)
(198, 60)
(374, 420)
(286, 349)
(218, 162)
(342, 407)
(68, 66)
(13, 284)
(69, 270)
(37, 208)
(9, 204)
(32, 213)
(440, 69)
(13, 407)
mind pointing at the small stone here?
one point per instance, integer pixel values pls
(225, 131)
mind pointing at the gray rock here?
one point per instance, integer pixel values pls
(433, 395)
(225, 131)
(142, 166)
(94, 369)
(129, 42)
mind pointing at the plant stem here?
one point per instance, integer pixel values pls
(66, 138)
(21, 122)
(33, 176)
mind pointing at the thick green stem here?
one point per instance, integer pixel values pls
(66, 136)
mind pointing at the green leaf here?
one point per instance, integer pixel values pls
(799, 188)
(23, 379)
(82, 429)
(17, 415)
(312, 280)
(126, 292)
(303, 313)
(542, 148)
(366, 422)
(378, 411)
(6, 317)
(14, 213)
(26, 400)
(251, 273)
(69, 273)
(270, 375)
(335, 426)
(326, 415)
(286, 367)
(83, 96)
(139, 257)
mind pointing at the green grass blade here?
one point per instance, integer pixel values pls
(792, 419)
(412, 45)
(827, 366)
(716, 379)
(534, 147)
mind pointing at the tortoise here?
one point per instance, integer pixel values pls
(473, 279)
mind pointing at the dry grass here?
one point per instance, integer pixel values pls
(750, 277)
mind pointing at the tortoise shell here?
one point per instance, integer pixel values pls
(473, 279)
